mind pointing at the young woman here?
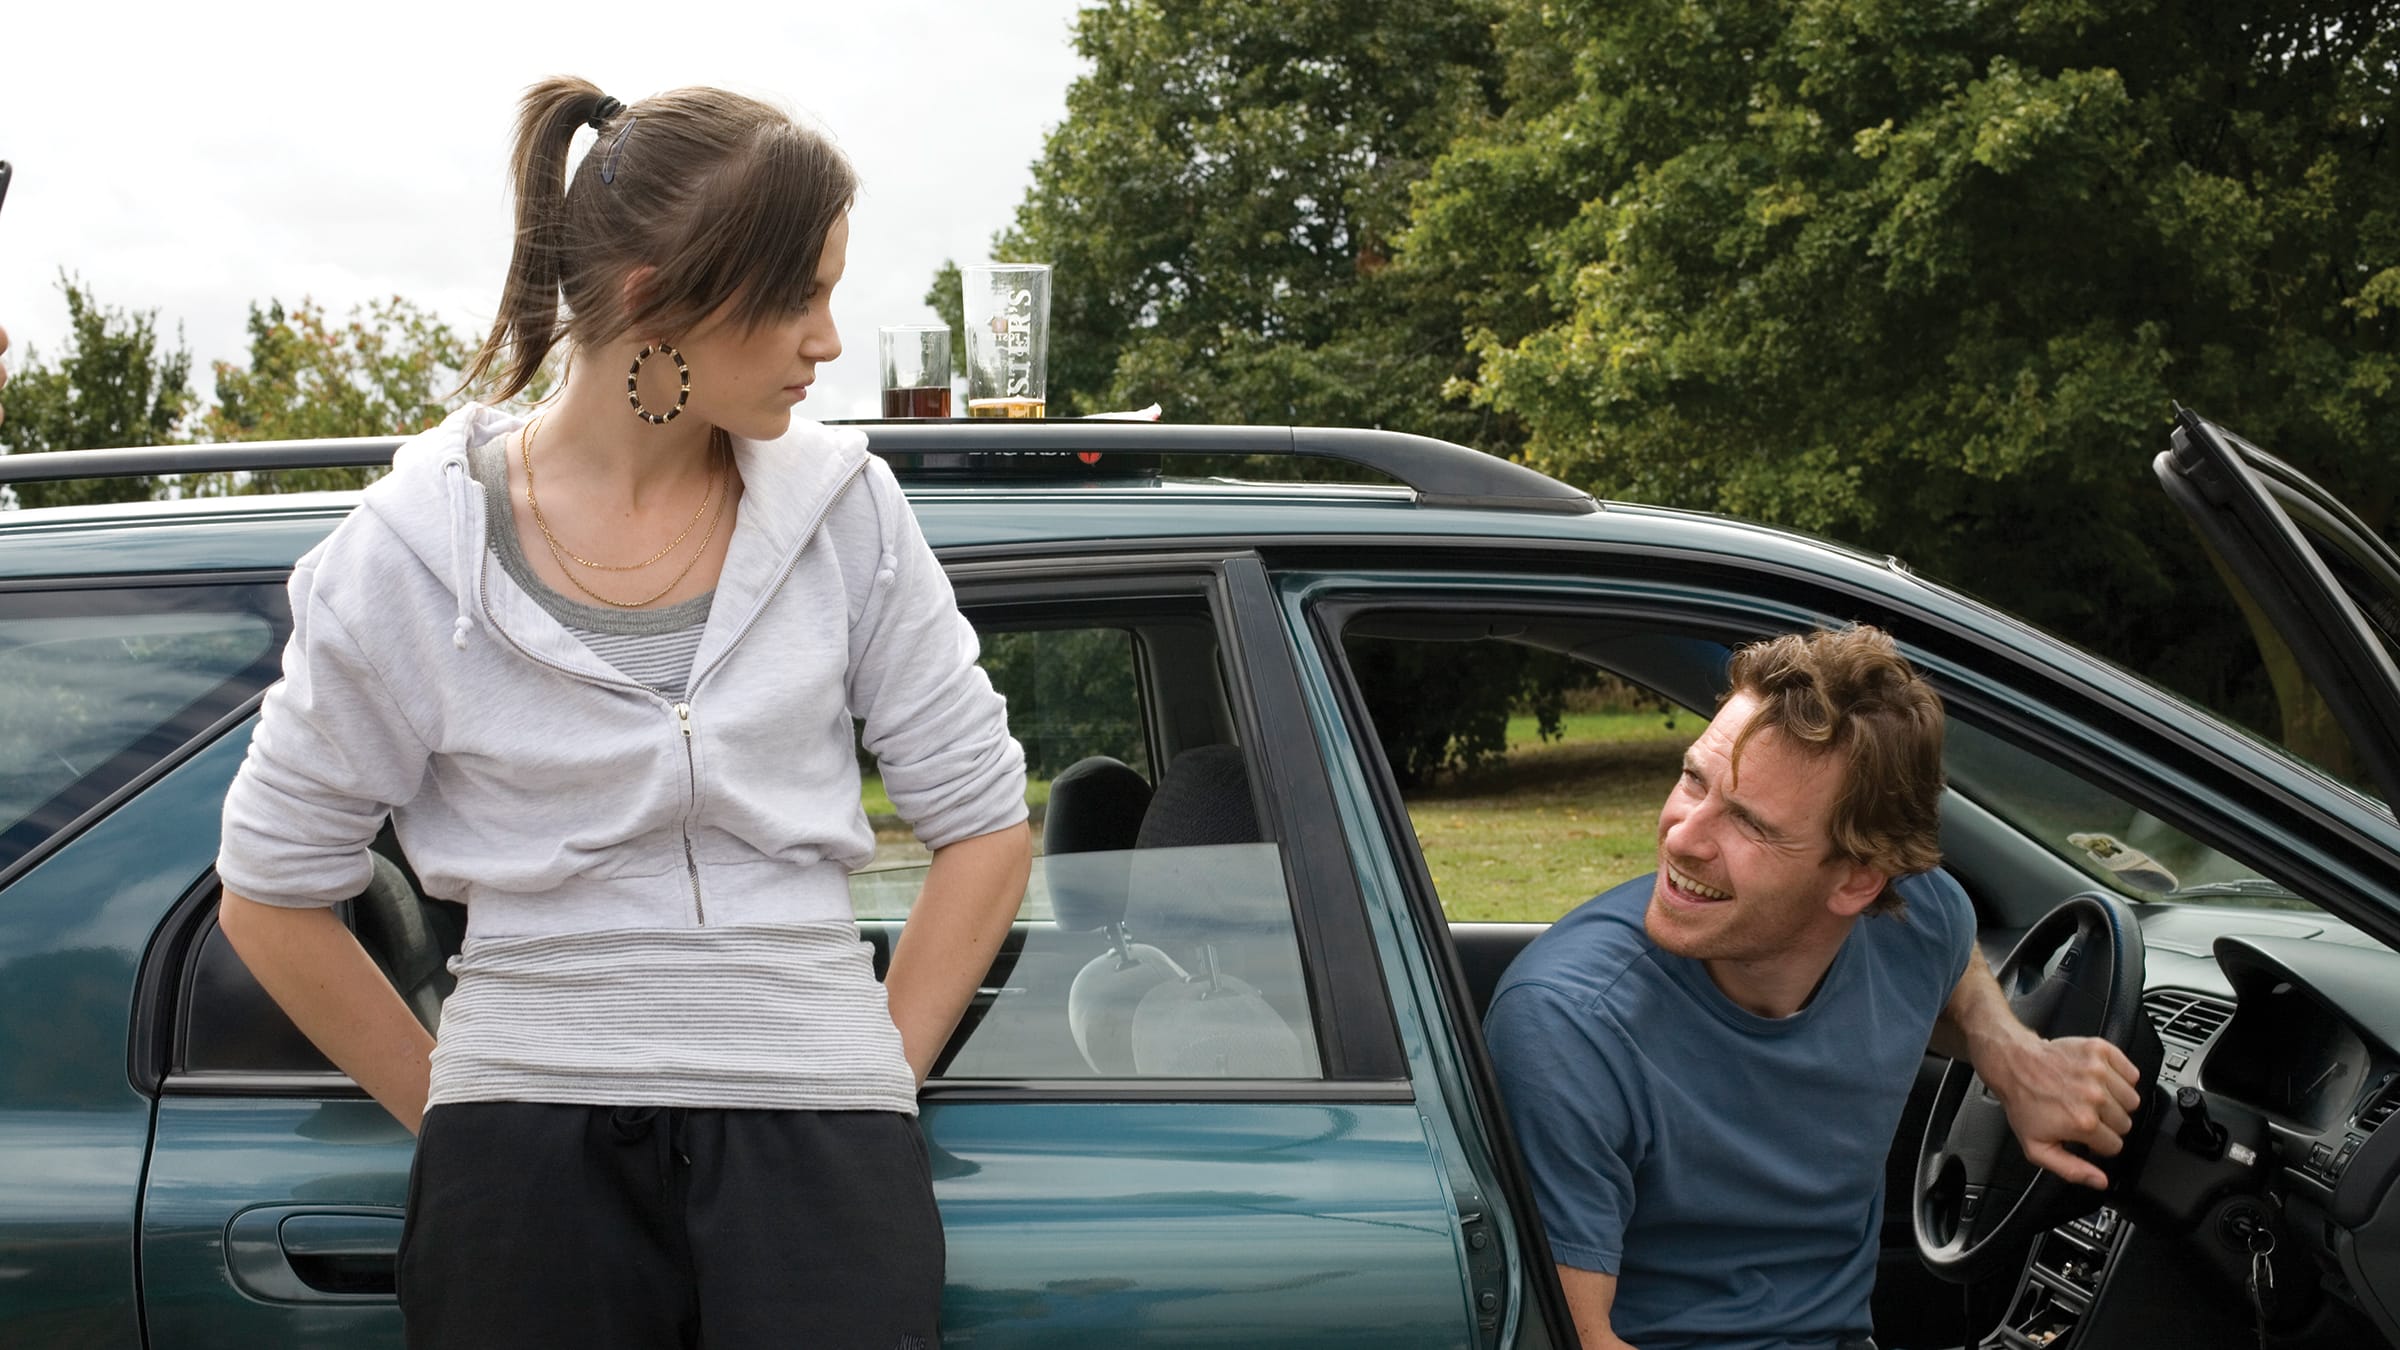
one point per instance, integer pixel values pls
(599, 668)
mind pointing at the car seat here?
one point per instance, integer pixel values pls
(1192, 890)
(392, 924)
(1089, 829)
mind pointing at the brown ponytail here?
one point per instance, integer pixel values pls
(724, 196)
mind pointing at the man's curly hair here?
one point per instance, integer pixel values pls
(1848, 692)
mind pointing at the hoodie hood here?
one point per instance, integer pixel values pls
(431, 501)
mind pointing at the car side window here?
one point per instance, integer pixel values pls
(1156, 938)
(105, 683)
(1532, 778)
(2108, 838)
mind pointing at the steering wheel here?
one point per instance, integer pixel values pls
(1978, 1203)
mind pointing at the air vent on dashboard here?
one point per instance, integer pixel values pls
(2189, 1018)
(2381, 1106)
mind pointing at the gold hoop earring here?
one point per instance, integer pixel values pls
(683, 395)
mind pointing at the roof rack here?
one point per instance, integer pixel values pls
(1442, 474)
(54, 466)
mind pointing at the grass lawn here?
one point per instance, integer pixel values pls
(1555, 823)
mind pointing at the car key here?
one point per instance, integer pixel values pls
(2261, 1284)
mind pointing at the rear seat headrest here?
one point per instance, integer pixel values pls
(1203, 798)
(1094, 815)
(1096, 803)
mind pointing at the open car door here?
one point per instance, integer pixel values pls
(2329, 585)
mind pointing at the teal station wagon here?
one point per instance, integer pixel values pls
(1224, 1085)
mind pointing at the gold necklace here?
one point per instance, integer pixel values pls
(556, 550)
(525, 452)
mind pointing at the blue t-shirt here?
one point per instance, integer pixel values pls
(1727, 1168)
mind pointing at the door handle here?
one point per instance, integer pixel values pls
(316, 1253)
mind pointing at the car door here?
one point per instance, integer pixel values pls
(2330, 587)
(2328, 584)
(1180, 1111)
(112, 765)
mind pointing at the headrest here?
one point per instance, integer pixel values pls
(1094, 816)
(1095, 804)
(1202, 798)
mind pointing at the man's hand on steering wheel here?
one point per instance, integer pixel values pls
(2073, 1090)
(2056, 1049)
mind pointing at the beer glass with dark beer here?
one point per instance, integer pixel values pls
(916, 369)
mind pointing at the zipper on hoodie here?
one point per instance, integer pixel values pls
(683, 708)
(691, 770)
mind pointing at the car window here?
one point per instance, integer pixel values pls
(1532, 778)
(1156, 938)
(1526, 827)
(105, 683)
(2109, 839)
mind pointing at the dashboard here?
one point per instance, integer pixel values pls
(2288, 1025)
(2283, 1028)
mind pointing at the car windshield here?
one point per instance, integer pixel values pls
(2109, 839)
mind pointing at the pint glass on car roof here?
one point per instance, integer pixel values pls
(1008, 339)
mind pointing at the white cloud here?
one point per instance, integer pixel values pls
(194, 159)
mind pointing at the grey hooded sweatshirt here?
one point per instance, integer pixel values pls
(657, 890)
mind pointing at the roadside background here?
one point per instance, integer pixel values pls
(198, 159)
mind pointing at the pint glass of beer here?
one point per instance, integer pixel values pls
(1008, 339)
(916, 369)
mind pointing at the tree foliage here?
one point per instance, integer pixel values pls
(111, 386)
(390, 369)
(1443, 707)
(1221, 203)
(1929, 276)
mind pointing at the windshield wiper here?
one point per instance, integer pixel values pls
(2247, 886)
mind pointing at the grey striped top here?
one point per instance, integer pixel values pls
(782, 1016)
(653, 647)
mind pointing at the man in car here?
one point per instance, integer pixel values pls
(1705, 1067)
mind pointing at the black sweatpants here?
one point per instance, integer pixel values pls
(648, 1228)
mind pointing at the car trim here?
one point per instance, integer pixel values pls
(160, 984)
(1398, 1092)
(1357, 1024)
(110, 581)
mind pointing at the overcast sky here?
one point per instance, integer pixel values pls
(194, 158)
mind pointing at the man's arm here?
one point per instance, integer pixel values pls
(1590, 1295)
(2076, 1089)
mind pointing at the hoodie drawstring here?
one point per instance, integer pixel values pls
(461, 486)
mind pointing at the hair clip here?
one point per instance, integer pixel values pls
(608, 166)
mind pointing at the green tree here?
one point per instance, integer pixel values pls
(390, 369)
(1220, 204)
(110, 387)
(1927, 277)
